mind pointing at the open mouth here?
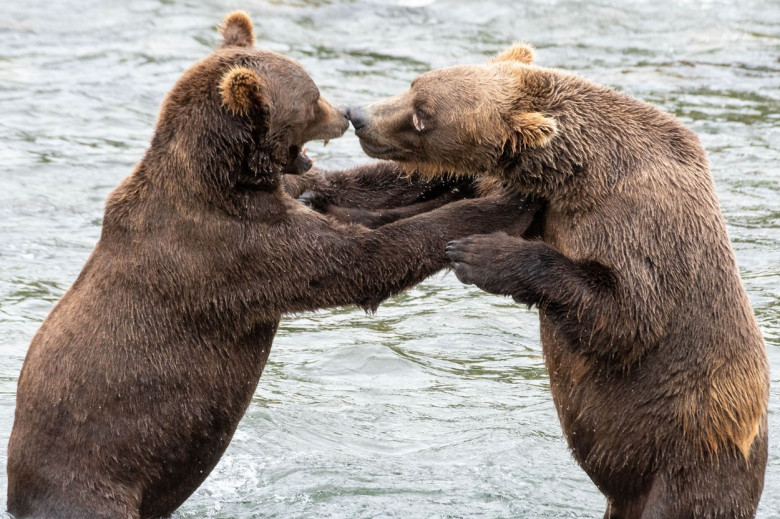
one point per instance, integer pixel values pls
(297, 161)
(304, 162)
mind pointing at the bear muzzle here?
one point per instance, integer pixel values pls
(357, 115)
(370, 140)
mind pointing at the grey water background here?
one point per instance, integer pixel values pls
(437, 406)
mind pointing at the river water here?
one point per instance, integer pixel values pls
(439, 405)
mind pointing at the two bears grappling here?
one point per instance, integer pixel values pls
(594, 207)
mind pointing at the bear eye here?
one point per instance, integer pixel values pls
(418, 120)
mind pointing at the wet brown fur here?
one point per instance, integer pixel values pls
(136, 381)
(237, 30)
(657, 365)
(377, 194)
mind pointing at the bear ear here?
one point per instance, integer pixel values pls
(532, 130)
(522, 52)
(237, 30)
(242, 90)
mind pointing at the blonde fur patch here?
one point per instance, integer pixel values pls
(728, 415)
(737, 413)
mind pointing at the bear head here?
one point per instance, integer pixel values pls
(462, 119)
(240, 118)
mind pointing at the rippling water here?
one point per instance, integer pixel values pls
(438, 406)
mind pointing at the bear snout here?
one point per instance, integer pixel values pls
(338, 120)
(343, 112)
(358, 116)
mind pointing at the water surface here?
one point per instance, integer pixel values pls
(439, 405)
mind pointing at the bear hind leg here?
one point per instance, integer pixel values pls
(651, 504)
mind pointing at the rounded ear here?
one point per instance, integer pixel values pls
(237, 29)
(532, 129)
(243, 90)
(522, 52)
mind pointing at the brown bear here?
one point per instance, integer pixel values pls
(657, 366)
(135, 383)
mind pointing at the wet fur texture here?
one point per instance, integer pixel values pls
(136, 381)
(377, 194)
(657, 366)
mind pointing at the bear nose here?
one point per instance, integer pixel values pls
(357, 115)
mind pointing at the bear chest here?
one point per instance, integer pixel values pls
(573, 236)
